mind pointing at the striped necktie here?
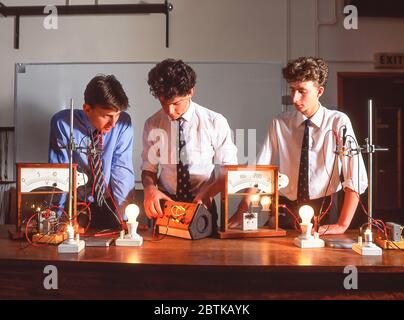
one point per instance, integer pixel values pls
(96, 163)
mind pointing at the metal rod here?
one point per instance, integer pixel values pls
(370, 162)
(71, 143)
(167, 21)
(17, 32)
(86, 9)
(96, 9)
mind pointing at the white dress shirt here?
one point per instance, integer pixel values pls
(283, 145)
(208, 142)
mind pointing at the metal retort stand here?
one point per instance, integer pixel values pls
(366, 246)
(72, 244)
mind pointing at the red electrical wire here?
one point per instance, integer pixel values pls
(322, 214)
(86, 207)
(106, 234)
(296, 220)
(374, 222)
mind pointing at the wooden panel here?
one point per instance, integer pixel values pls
(388, 163)
(385, 88)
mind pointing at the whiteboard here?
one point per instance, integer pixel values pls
(247, 94)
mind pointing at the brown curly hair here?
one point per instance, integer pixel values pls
(307, 69)
(171, 78)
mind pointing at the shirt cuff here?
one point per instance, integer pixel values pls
(149, 167)
(349, 183)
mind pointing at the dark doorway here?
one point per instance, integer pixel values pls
(387, 92)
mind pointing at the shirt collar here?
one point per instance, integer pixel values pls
(190, 112)
(87, 123)
(316, 119)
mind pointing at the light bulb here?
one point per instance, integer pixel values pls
(265, 203)
(255, 199)
(131, 212)
(306, 213)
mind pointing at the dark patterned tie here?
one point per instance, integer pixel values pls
(99, 187)
(303, 180)
(183, 179)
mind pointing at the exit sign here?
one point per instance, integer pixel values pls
(389, 60)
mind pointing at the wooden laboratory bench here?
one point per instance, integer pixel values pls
(174, 268)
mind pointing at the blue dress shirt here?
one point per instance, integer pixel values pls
(116, 156)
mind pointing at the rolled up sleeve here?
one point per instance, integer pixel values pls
(225, 149)
(122, 174)
(353, 167)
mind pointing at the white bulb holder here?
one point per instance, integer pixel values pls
(132, 230)
(306, 230)
(306, 239)
(132, 238)
(367, 247)
(70, 233)
(71, 244)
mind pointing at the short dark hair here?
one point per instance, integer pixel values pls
(171, 78)
(107, 92)
(307, 69)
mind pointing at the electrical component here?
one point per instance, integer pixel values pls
(248, 184)
(185, 220)
(393, 231)
(47, 221)
(72, 244)
(47, 228)
(366, 247)
(394, 239)
(306, 239)
(132, 239)
(250, 221)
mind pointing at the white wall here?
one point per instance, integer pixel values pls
(201, 30)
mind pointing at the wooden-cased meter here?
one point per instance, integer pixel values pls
(39, 187)
(258, 186)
